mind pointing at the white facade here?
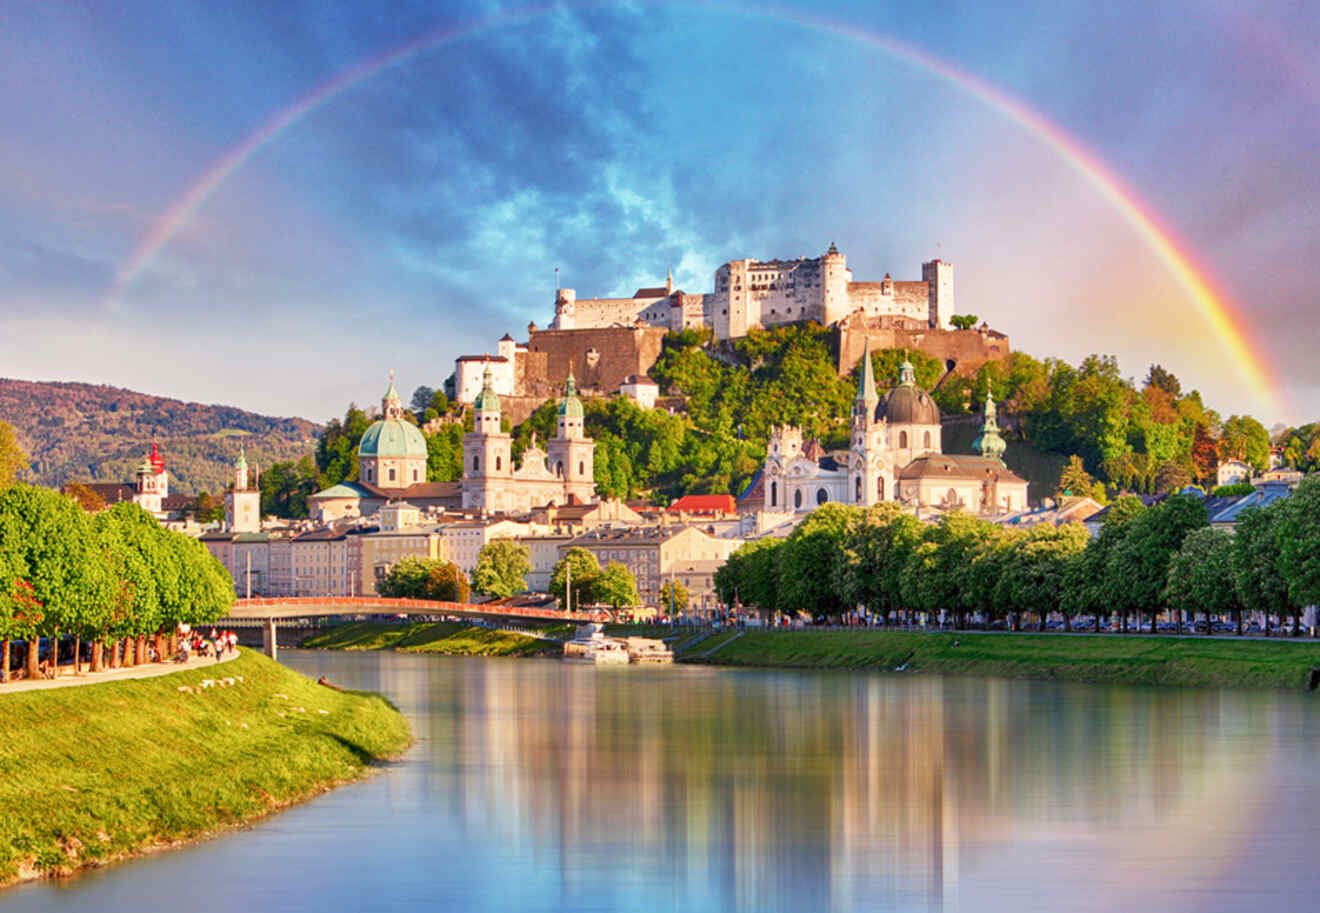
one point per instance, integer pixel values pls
(469, 371)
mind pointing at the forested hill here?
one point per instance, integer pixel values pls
(97, 433)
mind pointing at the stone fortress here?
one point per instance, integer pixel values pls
(609, 342)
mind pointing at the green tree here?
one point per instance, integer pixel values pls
(1088, 587)
(673, 595)
(285, 488)
(1244, 438)
(208, 508)
(1076, 481)
(939, 569)
(1201, 577)
(615, 586)
(810, 555)
(502, 568)
(1257, 564)
(1032, 580)
(750, 577)
(336, 451)
(1138, 567)
(12, 458)
(1299, 542)
(964, 321)
(578, 569)
(872, 553)
(422, 399)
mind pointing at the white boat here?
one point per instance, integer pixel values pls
(648, 651)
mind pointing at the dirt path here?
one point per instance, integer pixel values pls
(67, 679)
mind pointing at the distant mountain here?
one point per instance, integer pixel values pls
(96, 433)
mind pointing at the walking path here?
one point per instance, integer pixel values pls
(67, 679)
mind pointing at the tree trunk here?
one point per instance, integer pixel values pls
(1240, 613)
(55, 652)
(1297, 623)
(160, 647)
(128, 653)
(34, 648)
(1208, 625)
(77, 654)
(141, 650)
(4, 660)
(98, 654)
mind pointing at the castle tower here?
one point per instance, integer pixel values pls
(565, 310)
(487, 455)
(870, 475)
(938, 277)
(153, 484)
(835, 276)
(242, 503)
(571, 453)
(988, 443)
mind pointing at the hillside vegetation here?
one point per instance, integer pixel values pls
(97, 433)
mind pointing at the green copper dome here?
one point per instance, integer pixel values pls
(570, 406)
(392, 437)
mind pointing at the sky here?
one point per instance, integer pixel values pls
(272, 205)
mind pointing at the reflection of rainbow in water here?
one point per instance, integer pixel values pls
(1226, 321)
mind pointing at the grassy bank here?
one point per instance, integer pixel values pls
(1198, 662)
(96, 773)
(454, 637)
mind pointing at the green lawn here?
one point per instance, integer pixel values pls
(1108, 658)
(91, 774)
(454, 637)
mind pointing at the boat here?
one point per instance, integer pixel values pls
(648, 651)
(590, 645)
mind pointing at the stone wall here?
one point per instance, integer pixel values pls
(962, 351)
(601, 359)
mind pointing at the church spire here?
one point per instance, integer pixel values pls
(391, 406)
(669, 279)
(988, 443)
(866, 380)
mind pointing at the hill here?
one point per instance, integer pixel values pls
(98, 433)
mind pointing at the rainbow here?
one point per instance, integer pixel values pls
(1225, 319)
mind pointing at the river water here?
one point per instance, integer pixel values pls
(537, 785)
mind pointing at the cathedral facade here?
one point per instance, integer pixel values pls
(895, 453)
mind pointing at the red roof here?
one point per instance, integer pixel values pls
(704, 504)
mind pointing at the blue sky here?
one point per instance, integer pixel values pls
(420, 213)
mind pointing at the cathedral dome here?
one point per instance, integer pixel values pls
(392, 437)
(908, 404)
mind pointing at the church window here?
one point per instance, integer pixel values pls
(774, 494)
(797, 498)
(391, 473)
(857, 493)
(559, 468)
(499, 463)
(476, 463)
(582, 468)
(902, 440)
(414, 475)
(927, 440)
(822, 496)
(880, 488)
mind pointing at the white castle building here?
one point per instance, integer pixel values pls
(895, 454)
(751, 294)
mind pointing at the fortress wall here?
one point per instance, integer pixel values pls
(600, 358)
(597, 313)
(967, 349)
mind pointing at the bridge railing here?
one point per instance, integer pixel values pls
(374, 605)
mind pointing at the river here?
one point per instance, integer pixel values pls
(537, 785)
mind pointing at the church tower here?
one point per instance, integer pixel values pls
(242, 502)
(870, 477)
(988, 443)
(570, 450)
(487, 454)
(153, 484)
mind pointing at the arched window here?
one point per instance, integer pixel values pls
(559, 468)
(582, 468)
(797, 498)
(902, 440)
(476, 463)
(499, 463)
(391, 473)
(414, 475)
(822, 496)
(370, 474)
(880, 488)
(857, 491)
(774, 494)
(927, 440)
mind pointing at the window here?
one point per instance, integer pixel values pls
(927, 440)
(880, 488)
(774, 494)
(582, 468)
(559, 468)
(499, 463)
(476, 463)
(391, 473)
(857, 493)
(415, 475)
(822, 496)
(797, 498)
(902, 440)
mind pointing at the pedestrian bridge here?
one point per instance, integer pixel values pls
(267, 612)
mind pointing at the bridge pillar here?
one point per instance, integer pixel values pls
(268, 642)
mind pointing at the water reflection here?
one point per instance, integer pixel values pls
(538, 785)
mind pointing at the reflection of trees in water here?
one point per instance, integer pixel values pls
(770, 789)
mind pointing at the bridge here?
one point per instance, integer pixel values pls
(269, 611)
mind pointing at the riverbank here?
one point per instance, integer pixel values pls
(450, 637)
(1100, 659)
(95, 774)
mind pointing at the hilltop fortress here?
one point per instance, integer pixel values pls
(611, 343)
